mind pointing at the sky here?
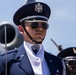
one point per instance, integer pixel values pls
(62, 22)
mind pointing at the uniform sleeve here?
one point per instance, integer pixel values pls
(2, 66)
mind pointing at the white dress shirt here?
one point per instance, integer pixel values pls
(37, 61)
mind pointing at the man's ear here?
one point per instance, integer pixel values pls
(21, 29)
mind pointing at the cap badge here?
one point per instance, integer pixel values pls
(74, 50)
(38, 8)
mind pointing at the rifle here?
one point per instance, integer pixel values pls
(58, 46)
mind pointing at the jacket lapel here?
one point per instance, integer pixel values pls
(24, 61)
(26, 66)
(50, 63)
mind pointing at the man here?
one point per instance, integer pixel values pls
(69, 56)
(32, 22)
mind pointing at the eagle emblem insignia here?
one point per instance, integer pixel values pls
(38, 8)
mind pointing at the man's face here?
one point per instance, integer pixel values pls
(72, 68)
(38, 32)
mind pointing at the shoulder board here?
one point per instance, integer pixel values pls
(10, 51)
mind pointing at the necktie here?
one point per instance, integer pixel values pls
(35, 48)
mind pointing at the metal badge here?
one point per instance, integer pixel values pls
(57, 72)
(38, 8)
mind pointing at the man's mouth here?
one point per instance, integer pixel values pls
(39, 34)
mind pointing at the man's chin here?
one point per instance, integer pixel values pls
(39, 40)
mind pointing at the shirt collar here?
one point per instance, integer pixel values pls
(35, 59)
(29, 45)
(28, 49)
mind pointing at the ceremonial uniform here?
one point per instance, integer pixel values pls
(69, 57)
(32, 21)
(18, 63)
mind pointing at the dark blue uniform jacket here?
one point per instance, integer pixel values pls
(18, 63)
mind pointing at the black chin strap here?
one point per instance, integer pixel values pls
(36, 42)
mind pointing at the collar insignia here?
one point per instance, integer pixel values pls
(57, 71)
(38, 8)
